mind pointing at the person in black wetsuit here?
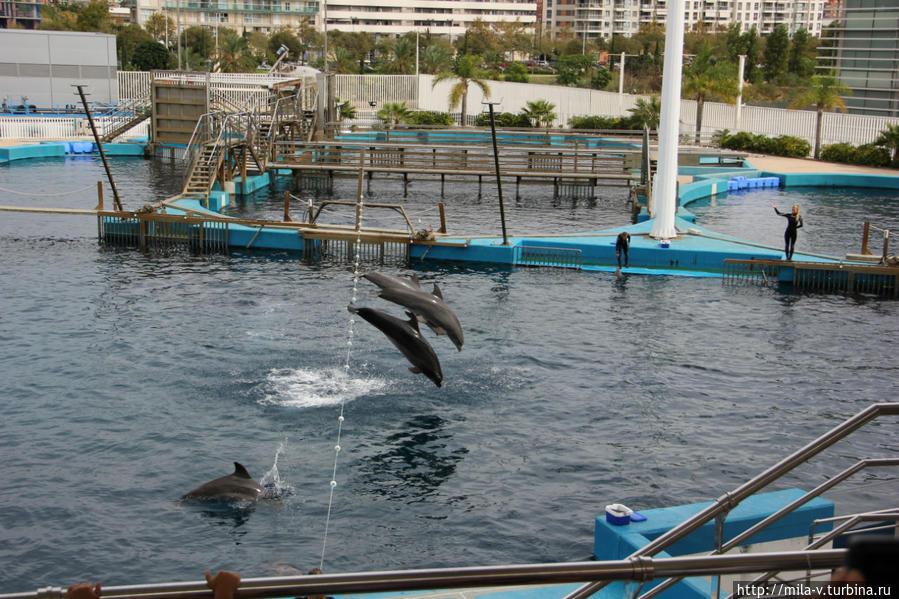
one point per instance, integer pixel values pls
(622, 243)
(794, 222)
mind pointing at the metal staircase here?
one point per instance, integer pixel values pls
(124, 117)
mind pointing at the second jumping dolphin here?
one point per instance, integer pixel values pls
(404, 334)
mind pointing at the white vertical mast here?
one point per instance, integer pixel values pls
(664, 196)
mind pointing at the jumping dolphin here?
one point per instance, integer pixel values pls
(238, 486)
(384, 280)
(429, 308)
(404, 334)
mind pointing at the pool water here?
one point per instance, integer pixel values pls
(131, 378)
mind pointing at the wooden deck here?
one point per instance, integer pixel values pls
(548, 163)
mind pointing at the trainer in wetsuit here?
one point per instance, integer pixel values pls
(794, 221)
(621, 244)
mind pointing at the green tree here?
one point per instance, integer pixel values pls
(400, 55)
(356, 46)
(161, 27)
(437, 56)
(345, 109)
(94, 16)
(151, 55)
(776, 56)
(647, 112)
(516, 72)
(284, 37)
(705, 77)
(479, 39)
(127, 40)
(198, 41)
(467, 71)
(234, 54)
(600, 78)
(572, 68)
(540, 112)
(824, 93)
(801, 60)
(393, 113)
(59, 17)
(889, 139)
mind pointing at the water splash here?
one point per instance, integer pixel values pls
(308, 388)
(273, 486)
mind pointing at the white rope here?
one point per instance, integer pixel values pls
(344, 385)
(48, 195)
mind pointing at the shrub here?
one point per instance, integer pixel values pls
(864, 155)
(871, 155)
(837, 152)
(603, 122)
(430, 117)
(503, 119)
(790, 146)
(783, 145)
(516, 72)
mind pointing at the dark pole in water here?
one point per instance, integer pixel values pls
(499, 184)
(90, 119)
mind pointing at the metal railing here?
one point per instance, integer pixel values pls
(724, 504)
(635, 569)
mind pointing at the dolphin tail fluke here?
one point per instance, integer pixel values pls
(437, 292)
(352, 308)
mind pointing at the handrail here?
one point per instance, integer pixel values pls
(639, 569)
(805, 498)
(850, 522)
(728, 501)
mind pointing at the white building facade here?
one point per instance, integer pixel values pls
(605, 18)
(448, 18)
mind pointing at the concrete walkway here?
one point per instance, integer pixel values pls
(779, 164)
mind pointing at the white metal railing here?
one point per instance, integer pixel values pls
(637, 569)
(718, 509)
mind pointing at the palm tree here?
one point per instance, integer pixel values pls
(467, 71)
(889, 138)
(435, 58)
(393, 113)
(705, 77)
(234, 55)
(824, 92)
(647, 112)
(540, 112)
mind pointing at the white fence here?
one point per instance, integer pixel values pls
(361, 90)
(58, 128)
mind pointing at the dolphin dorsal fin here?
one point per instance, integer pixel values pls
(415, 280)
(413, 321)
(437, 291)
(240, 471)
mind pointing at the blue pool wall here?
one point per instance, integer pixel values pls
(613, 542)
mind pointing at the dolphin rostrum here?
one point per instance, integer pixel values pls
(384, 280)
(429, 308)
(238, 486)
(404, 334)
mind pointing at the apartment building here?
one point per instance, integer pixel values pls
(440, 17)
(241, 15)
(18, 13)
(863, 47)
(605, 18)
(380, 17)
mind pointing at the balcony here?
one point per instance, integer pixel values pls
(290, 8)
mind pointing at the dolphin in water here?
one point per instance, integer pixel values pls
(404, 334)
(238, 486)
(429, 308)
(385, 281)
